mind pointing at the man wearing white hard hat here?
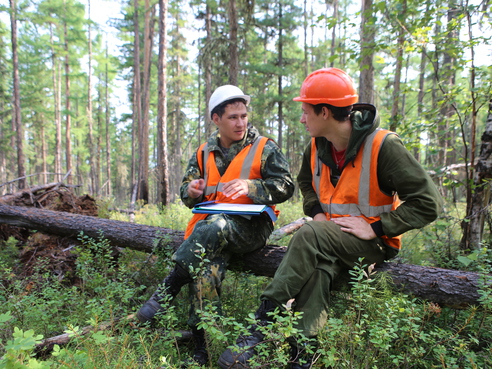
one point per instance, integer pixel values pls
(235, 165)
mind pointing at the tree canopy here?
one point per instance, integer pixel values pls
(425, 65)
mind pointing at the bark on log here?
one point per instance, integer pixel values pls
(121, 234)
(453, 288)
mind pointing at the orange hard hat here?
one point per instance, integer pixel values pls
(328, 86)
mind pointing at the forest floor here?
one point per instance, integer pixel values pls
(40, 250)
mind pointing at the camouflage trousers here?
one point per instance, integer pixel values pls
(208, 250)
(317, 253)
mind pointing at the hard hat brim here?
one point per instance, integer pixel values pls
(341, 102)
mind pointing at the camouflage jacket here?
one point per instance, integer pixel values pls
(275, 187)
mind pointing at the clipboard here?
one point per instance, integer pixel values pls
(212, 207)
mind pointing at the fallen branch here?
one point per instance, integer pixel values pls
(286, 230)
(46, 345)
(8, 199)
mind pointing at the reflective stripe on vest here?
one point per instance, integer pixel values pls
(245, 165)
(357, 192)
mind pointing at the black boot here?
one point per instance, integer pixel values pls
(238, 359)
(300, 357)
(170, 288)
(200, 354)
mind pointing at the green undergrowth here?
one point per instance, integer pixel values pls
(369, 325)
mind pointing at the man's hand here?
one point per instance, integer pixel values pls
(195, 188)
(357, 226)
(235, 188)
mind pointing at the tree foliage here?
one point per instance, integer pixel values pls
(429, 62)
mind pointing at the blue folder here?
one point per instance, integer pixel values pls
(212, 207)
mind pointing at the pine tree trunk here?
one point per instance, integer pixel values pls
(395, 109)
(137, 96)
(94, 175)
(280, 68)
(143, 133)
(305, 41)
(44, 154)
(447, 77)
(109, 187)
(333, 33)
(480, 199)
(57, 108)
(3, 157)
(367, 35)
(420, 98)
(16, 116)
(162, 157)
(208, 73)
(68, 119)
(478, 195)
(234, 59)
(177, 123)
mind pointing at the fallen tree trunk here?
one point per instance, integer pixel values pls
(443, 286)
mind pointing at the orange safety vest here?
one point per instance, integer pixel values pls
(246, 165)
(357, 192)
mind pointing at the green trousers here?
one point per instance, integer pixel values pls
(316, 255)
(212, 244)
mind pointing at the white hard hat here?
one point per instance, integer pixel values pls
(224, 93)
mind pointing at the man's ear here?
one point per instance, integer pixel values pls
(325, 112)
(215, 118)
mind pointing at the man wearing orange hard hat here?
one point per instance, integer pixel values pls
(363, 190)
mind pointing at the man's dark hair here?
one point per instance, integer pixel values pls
(339, 113)
(220, 109)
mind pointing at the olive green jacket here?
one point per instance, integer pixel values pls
(398, 171)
